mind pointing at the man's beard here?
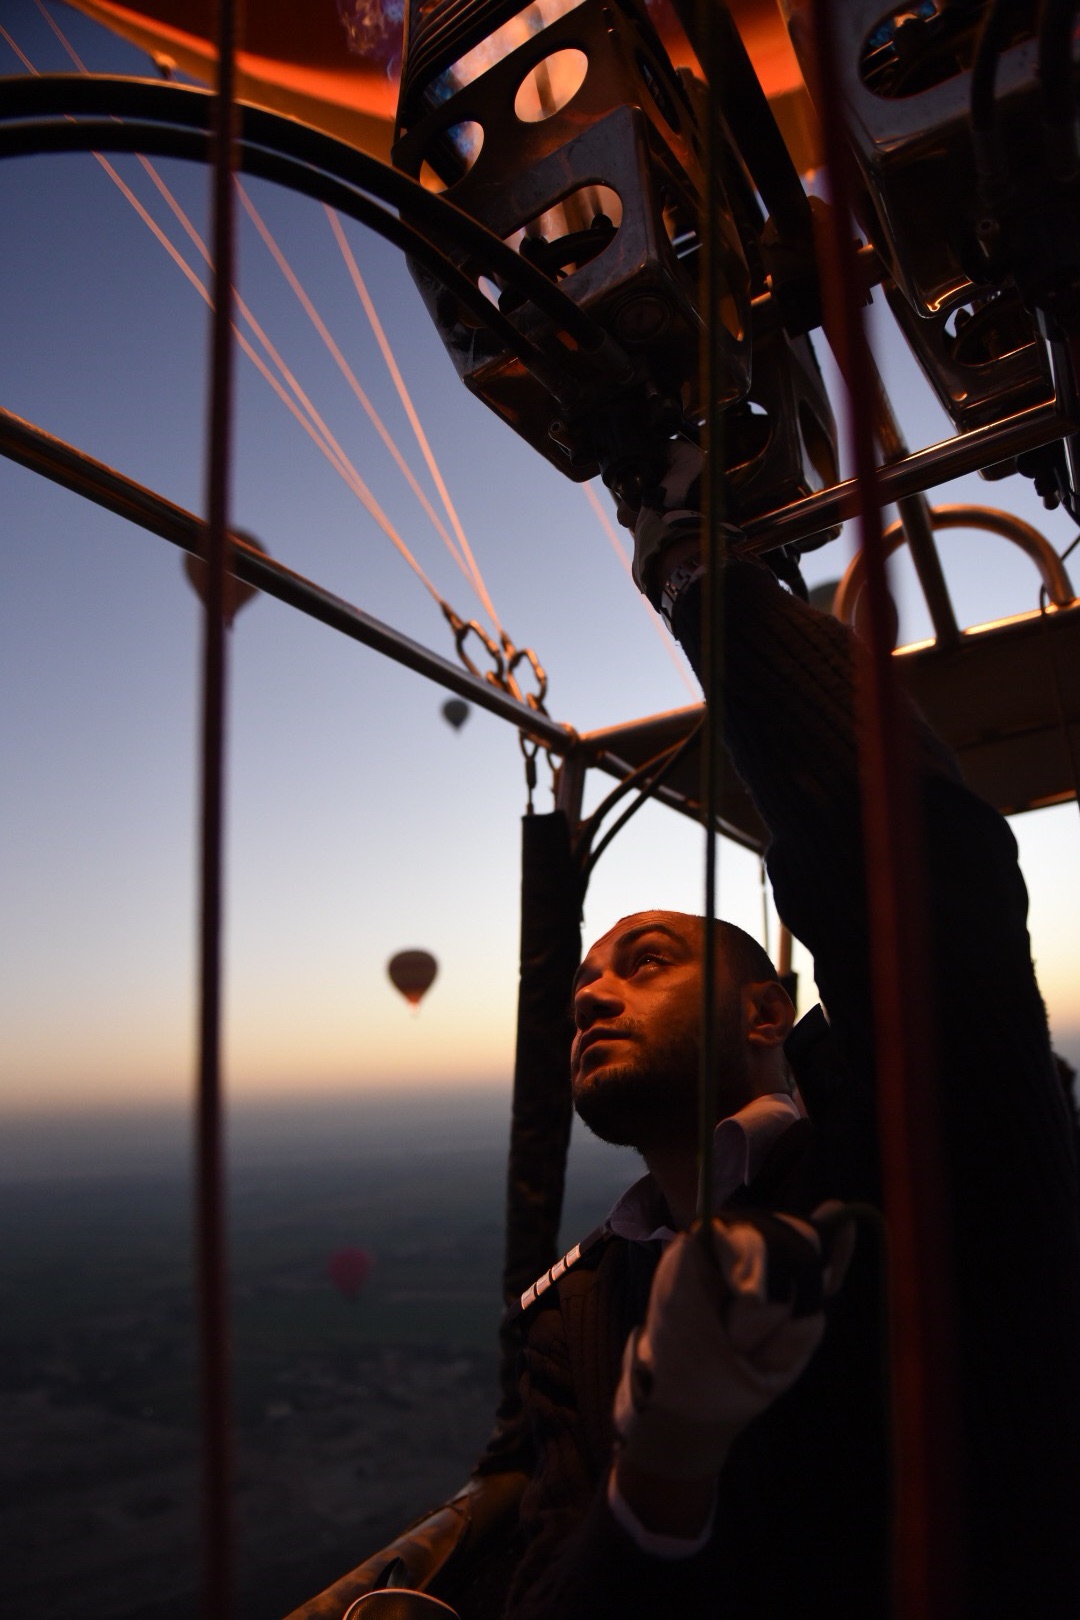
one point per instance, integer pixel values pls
(651, 1099)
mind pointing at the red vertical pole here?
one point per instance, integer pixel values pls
(711, 621)
(209, 1134)
(926, 1571)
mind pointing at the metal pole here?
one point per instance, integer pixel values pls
(915, 516)
(32, 447)
(570, 787)
(210, 1158)
(923, 469)
(926, 1525)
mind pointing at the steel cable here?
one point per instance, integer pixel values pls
(468, 561)
(306, 415)
(707, 44)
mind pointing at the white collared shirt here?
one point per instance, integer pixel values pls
(741, 1144)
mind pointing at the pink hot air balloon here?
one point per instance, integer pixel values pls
(349, 1270)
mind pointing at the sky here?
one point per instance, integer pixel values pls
(359, 823)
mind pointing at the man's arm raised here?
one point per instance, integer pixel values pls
(789, 695)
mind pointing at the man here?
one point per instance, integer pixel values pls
(633, 1065)
(788, 1513)
(704, 1417)
(664, 1521)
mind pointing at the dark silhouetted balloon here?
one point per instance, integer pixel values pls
(413, 973)
(237, 591)
(455, 712)
(349, 1270)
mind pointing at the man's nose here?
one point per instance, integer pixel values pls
(599, 998)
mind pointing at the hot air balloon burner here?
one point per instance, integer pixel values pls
(564, 129)
(957, 232)
(981, 357)
(780, 442)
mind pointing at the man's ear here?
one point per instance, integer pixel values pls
(769, 1014)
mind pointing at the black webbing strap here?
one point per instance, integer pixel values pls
(551, 894)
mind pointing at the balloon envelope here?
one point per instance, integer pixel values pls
(337, 66)
(349, 1270)
(455, 712)
(413, 973)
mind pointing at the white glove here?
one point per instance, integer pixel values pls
(715, 1349)
(667, 527)
(672, 513)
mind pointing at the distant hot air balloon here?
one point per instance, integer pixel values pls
(455, 712)
(349, 1270)
(237, 591)
(413, 973)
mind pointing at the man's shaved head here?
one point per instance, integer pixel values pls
(637, 1006)
(746, 960)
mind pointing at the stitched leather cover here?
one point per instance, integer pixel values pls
(433, 1549)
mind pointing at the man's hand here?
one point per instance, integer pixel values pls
(669, 517)
(667, 529)
(734, 1316)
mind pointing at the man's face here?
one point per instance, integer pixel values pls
(637, 1006)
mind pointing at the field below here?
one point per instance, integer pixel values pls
(352, 1415)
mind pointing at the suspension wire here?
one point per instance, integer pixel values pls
(654, 618)
(465, 559)
(23, 58)
(313, 423)
(471, 565)
(305, 412)
(326, 441)
(925, 1564)
(712, 619)
(210, 1158)
(346, 370)
(210, 1213)
(573, 322)
(505, 656)
(61, 36)
(303, 174)
(125, 190)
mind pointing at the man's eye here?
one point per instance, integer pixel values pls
(647, 956)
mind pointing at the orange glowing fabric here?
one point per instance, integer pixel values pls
(301, 61)
(297, 60)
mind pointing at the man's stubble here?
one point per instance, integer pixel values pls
(651, 1098)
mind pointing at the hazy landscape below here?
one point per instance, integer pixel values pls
(351, 1415)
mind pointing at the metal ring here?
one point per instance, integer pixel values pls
(535, 700)
(1033, 543)
(462, 630)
